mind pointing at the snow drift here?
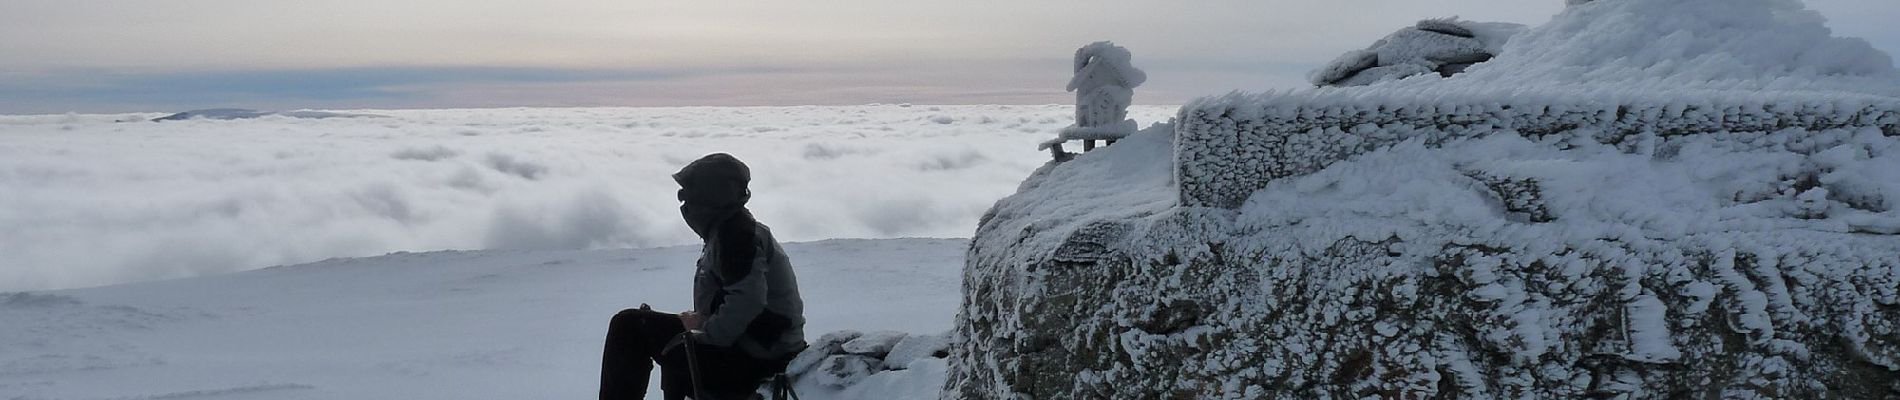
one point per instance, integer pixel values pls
(1688, 210)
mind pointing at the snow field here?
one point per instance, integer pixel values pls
(504, 324)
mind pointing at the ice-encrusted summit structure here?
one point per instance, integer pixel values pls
(1640, 198)
(1104, 83)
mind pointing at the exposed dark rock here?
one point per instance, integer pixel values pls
(1445, 27)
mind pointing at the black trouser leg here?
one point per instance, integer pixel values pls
(635, 339)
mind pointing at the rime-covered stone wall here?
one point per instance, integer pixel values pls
(1230, 146)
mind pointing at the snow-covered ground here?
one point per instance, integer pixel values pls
(496, 324)
(86, 200)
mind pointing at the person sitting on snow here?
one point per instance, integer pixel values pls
(747, 320)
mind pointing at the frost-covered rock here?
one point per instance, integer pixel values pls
(875, 344)
(916, 347)
(826, 346)
(839, 360)
(1346, 66)
(1702, 44)
(1521, 260)
(1383, 73)
(843, 370)
(1460, 238)
(1445, 46)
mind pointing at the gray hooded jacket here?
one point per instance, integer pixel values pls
(744, 284)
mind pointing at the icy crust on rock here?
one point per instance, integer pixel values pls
(1004, 305)
(1653, 267)
(855, 365)
(1743, 251)
(1712, 44)
(1641, 199)
(1130, 179)
(1446, 46)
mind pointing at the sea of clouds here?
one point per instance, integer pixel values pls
(101, 199)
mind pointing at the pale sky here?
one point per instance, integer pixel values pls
(172, 55)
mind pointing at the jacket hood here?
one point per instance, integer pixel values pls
(715, 180)
(712, 189)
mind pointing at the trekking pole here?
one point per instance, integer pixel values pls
(785, 388)
(692, 365)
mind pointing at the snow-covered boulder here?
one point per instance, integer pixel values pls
(839, 360)
(1730, 45)
(874, 344)
(1584, 234)
(1443, 46)
(916, 347)
(827, 345)
(843, 370)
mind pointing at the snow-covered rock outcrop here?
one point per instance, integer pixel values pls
(838, 363)
(1749, 45)
(1442, 46)
(1670, 215)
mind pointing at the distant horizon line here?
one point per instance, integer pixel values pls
(12, 114)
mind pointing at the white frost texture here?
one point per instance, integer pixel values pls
(1640, 199)
(1442, 46)
(1104, 83)
(1704, 44)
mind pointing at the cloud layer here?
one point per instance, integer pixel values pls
(90, 201)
